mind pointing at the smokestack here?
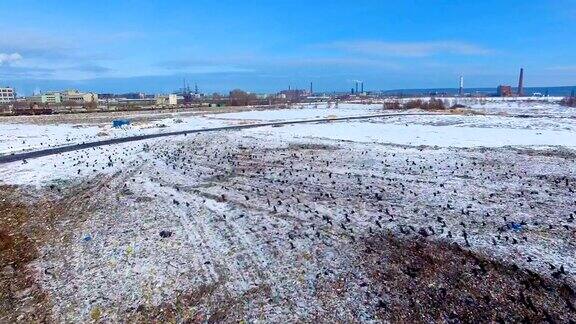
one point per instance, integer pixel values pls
(356, 86)
(461, 89)
(362, 87)
(311, 88)
(521, 83)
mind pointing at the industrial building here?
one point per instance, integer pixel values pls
(504, 91)
(167, 100)
(68, 96)
(292, 94)
(7, 95)
(79, 97)
(46, 98)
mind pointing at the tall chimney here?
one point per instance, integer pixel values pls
(362, 87)
(311, 88)
(461, 90)
(356, 87)
(521, 83)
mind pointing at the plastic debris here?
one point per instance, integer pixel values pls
(517, 227)
(117, 123)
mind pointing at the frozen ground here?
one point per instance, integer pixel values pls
(30, 133)
(443, 131)
(312, 111)
(26, 137)
(540, 124)
(449, 218)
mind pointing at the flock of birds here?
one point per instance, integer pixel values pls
(476, 201)
(296, 197)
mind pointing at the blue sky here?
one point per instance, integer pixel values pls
(117, 46)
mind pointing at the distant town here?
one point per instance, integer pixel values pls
(72, 100)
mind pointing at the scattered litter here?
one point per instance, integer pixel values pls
(117, 123)
(517, 227)
(95, 313)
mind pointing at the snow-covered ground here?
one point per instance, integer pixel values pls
(545, 127)
(548, 125)
(25, 137)
(276, 218)
(444, 131)
(15, 137)
(272, 223)
(314, 111)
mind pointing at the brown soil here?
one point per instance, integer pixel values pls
(205, 304)
(26, 224)
(422, 281)
(20, 297)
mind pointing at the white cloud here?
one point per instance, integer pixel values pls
(409, 49)
(9, 58)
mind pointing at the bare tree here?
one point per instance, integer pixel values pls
(241, 98)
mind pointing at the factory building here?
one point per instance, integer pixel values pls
(47, 97)
(68, 96)
(7, 95)
(292, 94)
(78, 97)
(167, 100)
(504, 91)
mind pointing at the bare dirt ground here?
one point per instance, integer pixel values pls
(228, 227)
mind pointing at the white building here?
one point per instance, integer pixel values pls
(7, 95)
(67, 96)
(48, 97)
(79, 97)
(167, 100)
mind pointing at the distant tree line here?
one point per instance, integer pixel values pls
(241, 98)
(432, 104)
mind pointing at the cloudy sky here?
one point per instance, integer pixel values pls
(117, 46)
